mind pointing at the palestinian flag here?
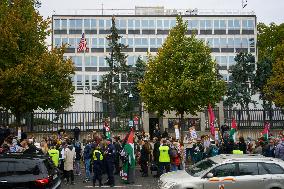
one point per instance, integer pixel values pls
(233, 129)
(211, 120)
(265, 132)
(107, 130)
(129, 156)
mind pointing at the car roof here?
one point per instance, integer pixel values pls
(224, 158)
(22, 156)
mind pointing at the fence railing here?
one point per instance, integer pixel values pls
(51, 121)
(255, 118)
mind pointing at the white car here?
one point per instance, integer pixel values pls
(228, 172)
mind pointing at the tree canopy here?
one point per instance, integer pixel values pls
(31, 76)
(182, 76)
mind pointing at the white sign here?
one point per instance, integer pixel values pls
(130, 123)
(193, 134)
(177, 133)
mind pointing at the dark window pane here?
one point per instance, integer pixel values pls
(248, 169)
(224, 170)
(261, 169)
(4, 169)
(273, 168)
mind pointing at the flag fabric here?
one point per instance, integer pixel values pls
(244, 3)
(128, 156)
(233, 129)
(265, 132)
(211, 120)
(107, 130)
(83, 44)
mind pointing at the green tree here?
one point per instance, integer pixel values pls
(182, 76)
(268, 38)
(241, 90)
(31, 77)
(110, 88)
(274, 89)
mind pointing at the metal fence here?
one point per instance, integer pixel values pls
(255, 118)
(51, 121)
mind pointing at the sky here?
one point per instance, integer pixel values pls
(267, 11)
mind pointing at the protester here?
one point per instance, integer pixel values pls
(110, 158)
(164, 158)
(87, 161)
(98, 164)
(279, 150)
(69, 157)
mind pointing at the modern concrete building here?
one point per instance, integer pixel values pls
(144, 29)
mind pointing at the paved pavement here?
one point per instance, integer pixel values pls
(140, 182)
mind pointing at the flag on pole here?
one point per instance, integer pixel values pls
(233, 129)
(244, 3)
(128, 154)
(265, 132)
(83, 44)
(107, 130)
(211, 120)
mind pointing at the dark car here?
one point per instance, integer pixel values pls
(21, 171)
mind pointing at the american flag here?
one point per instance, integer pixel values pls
(83, 44)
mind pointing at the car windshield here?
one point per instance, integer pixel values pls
(197, 169)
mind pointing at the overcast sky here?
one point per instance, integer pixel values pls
(267, 11)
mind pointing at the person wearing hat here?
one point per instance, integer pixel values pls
(110, 158)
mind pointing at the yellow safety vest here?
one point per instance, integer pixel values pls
(164, 154)
(54, 154)
(238, 152)
(94, 155)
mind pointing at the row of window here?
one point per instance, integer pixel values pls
(216, 42)
(99, 61)
(136, 23)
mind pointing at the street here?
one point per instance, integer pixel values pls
(140, 182)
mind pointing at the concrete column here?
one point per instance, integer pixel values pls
(202, 121)
(145, 121)
(221, 113)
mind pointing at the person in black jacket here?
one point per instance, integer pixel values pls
(157, 132)
(242, 145)
(144, 159)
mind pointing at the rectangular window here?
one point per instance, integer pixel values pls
(87, 82)
(208, 24)
(123, 41)
(72, 24)
(101, 42)
(137, 42)
(72, 42)
(79, 81)
(57, 42)
(94, 81)
(222, 24)
(145, 24)
(193, 24)
(153, 42)
(144, 42)
(64, 41)
(130, 24)
(93, 24)
(244, 43)
(77, 60)
(219, 24)
(216, 43)
(202, 24)
(75, 24)
(130, 60)
(166, 24)
(87, 61)
(64, 24)
(251, 42)
(159, 42)
(79, 24)
(232, 60)
(102, 61)
(152, 24)
(223, 42)
(248, 24)
(137, 24)
(209, 42)
(56, 24)
(237, 42)
(101, 24)
(234, 24)
(159, 24)
(230, 42)
(108, 24)
(87, 23)
(248, 169)
(172, 23)
(130, 42)
(94, 62)
(94, 43)
(122, 24)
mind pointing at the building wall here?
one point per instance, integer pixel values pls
(225, 34)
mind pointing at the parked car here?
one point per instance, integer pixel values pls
(21, 171)
(228, 172)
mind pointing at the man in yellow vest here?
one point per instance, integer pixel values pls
(164, 158)
(98, 165)
(54, 154)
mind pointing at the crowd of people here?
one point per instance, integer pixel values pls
(98, 154)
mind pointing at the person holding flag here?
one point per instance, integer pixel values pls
(127, 172)
(233, 130)
(266, 131)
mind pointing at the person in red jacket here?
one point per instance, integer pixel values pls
(175, 157)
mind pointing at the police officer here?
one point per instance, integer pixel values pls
(164, 158)
(98, 164)
(109, 158)
(54, 154)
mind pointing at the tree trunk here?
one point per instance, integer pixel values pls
(248, 114)
(182, 124)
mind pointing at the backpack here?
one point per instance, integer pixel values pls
(214, 152)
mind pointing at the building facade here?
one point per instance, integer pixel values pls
(144, 29)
